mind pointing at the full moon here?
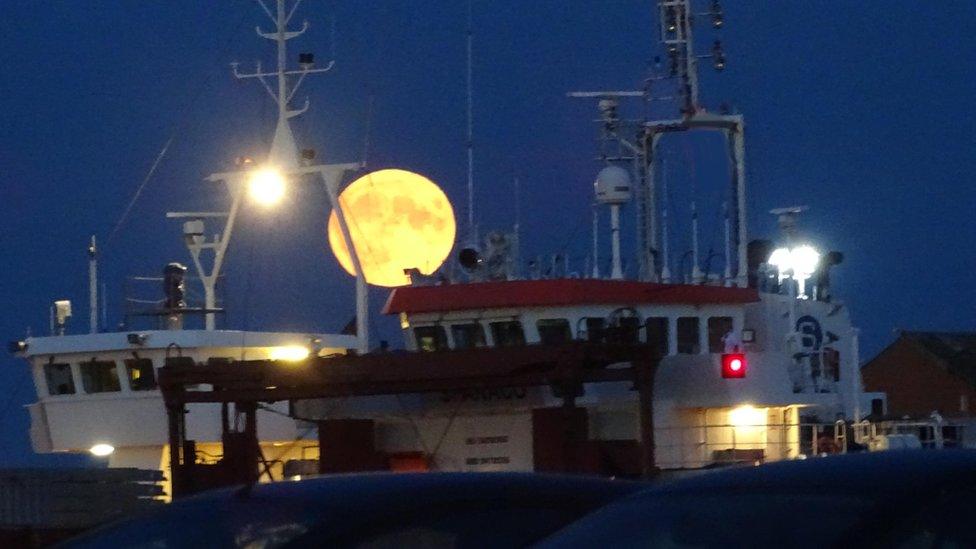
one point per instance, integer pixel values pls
(398, 220)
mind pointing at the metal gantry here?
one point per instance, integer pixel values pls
(565, 368)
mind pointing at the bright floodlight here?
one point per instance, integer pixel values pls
(266, 186)
(805, 260)
(799, 262)
(102, 450)
(780, 259)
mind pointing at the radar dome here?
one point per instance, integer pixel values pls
(612, 185)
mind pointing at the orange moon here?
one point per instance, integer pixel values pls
(398, 220)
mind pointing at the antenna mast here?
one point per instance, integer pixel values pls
(665, 244)
(283, 152)
(676, 34)
(92, 286)
(470, 140)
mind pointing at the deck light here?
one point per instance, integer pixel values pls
(266, 186)
(747, 416)
(289, 353)
(102, 450)
(17, 346)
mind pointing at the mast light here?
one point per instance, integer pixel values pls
(266, 186)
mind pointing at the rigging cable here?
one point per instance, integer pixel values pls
(177, 129)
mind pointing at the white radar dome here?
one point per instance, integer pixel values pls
(612, 185)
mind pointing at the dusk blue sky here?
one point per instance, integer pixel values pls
(861, 110)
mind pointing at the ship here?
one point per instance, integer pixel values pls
(752, 361)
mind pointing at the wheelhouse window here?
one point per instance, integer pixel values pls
(628, 330)
(553, 331)
(59, 380)
(688, 335)
(826, 364)
(100, 376)
(142, 376)
(468, 336)
(430, 338)
(596, 328)
(718, 327)
(508, 333)
(657, 334)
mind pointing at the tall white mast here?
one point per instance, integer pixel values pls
(283, 153)
(616, 271)
(472, 233)
(92, 287)
(283, 157)
(596, 241)
(696, 273)
(665, 244)
(728, 245)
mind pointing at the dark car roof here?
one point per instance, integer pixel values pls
(870, 472)
(855, 500)
(343, 489)
(347, 505)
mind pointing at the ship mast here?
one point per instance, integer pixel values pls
(283, 153)
(676, 35)
(282, 159)
(472, 233)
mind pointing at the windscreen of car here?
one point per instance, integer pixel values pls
(725, 521)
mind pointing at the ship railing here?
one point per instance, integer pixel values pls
(144, 301)
(720, 444)
(935, 433)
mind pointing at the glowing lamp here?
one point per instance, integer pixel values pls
(798, 263)
(289, 353)
(102, 450)
(747, 416)
(266, 186)
(733, 365)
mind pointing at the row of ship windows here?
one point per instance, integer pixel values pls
(100, 376)
(553, 331)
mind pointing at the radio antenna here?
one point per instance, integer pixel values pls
(284, 152)
(470, 140)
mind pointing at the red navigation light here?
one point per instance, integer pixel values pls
(733, 365)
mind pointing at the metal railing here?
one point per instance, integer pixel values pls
(713, 445)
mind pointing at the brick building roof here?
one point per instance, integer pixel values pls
(955, 350)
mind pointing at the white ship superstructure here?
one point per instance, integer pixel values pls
(97, 392)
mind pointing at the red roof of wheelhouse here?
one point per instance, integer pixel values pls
(556, 293)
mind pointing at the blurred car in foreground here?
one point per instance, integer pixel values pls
(908, 498)
(370, 510)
